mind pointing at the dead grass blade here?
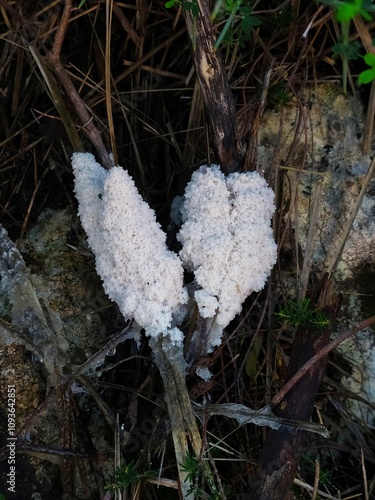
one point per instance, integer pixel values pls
(307, 487)
(321, 354)
(58, 100)
(364, 474)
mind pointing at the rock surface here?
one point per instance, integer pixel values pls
(316, 147)
(320, 145)
(80, 317)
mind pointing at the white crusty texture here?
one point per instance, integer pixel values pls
(138, 271)
(227, 240)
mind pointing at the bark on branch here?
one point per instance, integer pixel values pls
(217, 94)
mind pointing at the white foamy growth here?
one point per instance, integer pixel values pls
(138, 271)
(176, 336)
(227, 240)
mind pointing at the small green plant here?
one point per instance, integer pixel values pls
(126, 475)
(199, 475)
(191, 466)
(186, 5)
(324, 474)
(348, 50)
(239, 22)
(237, 15)
(279, 95)
(368, 75)
(300, 314)
(346, 11)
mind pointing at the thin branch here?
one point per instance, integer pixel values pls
(215, 88)
(126, 25)
(318, 356)
(108, 77)
(88, 126)
(61, 29)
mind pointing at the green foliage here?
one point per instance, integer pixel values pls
(349, 10)
(236, 13)
(349, 50)
(324, 474)
(368, 75)
(200, 475)
(191, 466)
(279, 95)
(239, 22)
(346, 11)
(192, 6)
(81, 4)
(300, 314)
(126, 475)
(281, 20)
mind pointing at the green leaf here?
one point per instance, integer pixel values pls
(348, 11)
(248, 21)
(191, 6)
(349, 50)
(191, 467)
(367, 76)
(369, 59)
(253, 21)
(169, 4)
(229, 5)
(245, 11)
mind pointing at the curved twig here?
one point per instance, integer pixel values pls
(318, 356)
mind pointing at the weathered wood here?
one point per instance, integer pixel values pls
(170, 362)
(215, 88)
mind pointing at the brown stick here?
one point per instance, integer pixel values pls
(88, 126)
(126, 25)
(318, 356)
(61, 29)
(215, 88)
(53, 59)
